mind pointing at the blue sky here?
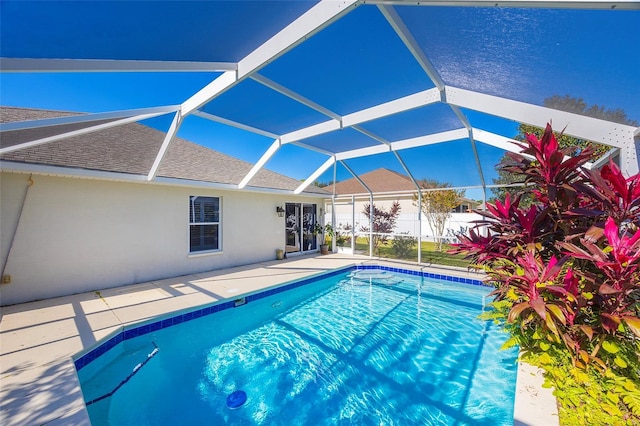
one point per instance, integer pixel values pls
(357, 62)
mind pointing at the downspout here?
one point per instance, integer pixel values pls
(30, 183)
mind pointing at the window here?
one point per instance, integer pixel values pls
(204, 223)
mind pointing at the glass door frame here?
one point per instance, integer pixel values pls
(299, 239)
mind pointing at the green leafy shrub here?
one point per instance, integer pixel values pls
(587, 396)
(566, 272)
(403, 245)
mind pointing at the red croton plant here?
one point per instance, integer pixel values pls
(566, 270)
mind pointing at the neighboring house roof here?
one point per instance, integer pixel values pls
(132, 149)
(383, 181)
(378, 181)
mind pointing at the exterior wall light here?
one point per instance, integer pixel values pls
(280, 211)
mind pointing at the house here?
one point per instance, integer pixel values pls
(467, 205)
(79, 213)
(386, 187)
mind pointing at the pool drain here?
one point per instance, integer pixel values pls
(236, 399)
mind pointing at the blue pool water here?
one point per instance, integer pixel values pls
(392, 350)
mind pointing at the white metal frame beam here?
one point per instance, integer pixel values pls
(217, 87)
(629, 159)
(293, 95)
(225, 121)
(419, 191)
(315, 175)
(363, 152)
(313, 148)
(600, 162)
(370, 210)
(414, 48)
(78, 132)
(435, 138)
(623, 137)
(448, 136)
(410, 42)
(168, 138)
(371, 135)
(580, 126)
(395, 106)
(108, 65)
(311, 131)
(261, 162)
(546, 4)
(312, 21)
(501, 142)
(406, 103)
(477, 158)
(495, 140)
(85, 118)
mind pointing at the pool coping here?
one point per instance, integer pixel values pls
(31, 390)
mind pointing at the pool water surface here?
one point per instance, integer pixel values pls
(353, 349)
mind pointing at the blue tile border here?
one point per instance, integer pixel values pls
(140, 330)
(424, 274)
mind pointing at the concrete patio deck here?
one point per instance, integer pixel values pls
(38, 382)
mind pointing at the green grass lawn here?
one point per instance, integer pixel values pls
(430, 253)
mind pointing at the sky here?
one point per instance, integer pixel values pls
(355, 63)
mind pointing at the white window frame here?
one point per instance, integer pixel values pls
(192, 223)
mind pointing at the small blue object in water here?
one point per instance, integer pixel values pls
(236, 399)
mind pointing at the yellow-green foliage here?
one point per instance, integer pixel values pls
(591, 395)
(588, 396)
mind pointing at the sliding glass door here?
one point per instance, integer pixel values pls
(299, 223)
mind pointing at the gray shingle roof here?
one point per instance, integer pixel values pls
(132, 148)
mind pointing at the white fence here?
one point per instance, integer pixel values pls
(407, 224)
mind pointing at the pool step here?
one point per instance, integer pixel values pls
(135, 370)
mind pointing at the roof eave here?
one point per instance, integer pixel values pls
(76, 173)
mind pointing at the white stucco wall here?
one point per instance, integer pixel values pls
(77, 235)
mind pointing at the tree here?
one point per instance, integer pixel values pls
(563, 103)
(319, 184)
(437, 205)
(579, 106)
(383, 223)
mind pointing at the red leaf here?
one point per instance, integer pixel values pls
(593, 234)
(609, 322)
(539, 306)
(611, 232)
(607, 289)
(613, 175)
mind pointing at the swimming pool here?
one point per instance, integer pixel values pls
(356, 347)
